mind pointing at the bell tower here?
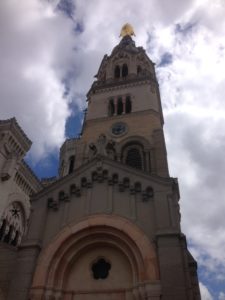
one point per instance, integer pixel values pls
(109, 227)
(124, 105)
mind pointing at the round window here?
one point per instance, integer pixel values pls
(100, 269)
(119, 128)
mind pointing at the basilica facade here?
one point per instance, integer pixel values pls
(108, 227)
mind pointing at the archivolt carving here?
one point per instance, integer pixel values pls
(53, 267)
(134, 139)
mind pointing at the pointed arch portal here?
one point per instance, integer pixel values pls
(119, 249)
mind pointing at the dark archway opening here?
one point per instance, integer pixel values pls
(119, 107)
(133, 158)
(124, 70)
(117, 72)
(128, 105)
(111, 108)
(71, 164)
(139, 70)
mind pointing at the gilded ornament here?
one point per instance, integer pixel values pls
(127, 29)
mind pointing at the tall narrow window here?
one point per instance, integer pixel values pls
(111, 108)
(124, 70)
(119, 106)
(8, 236)
(137, 187)
(15, 240)
(71, 164)
(117, 72)
(128, 105)
(61, 195)
(133, 158)
(138, 70)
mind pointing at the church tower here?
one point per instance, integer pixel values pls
(109, 226)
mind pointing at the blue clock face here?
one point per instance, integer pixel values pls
(119, 128)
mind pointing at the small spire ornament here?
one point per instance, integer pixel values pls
(127, 29)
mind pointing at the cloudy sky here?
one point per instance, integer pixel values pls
(49, 52)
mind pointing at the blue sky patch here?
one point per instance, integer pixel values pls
(74, 122)
(46, 167)
(185, 29)
(67, 7)
(166, 59)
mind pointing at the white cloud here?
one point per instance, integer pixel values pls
(221, 296)
(205, 294)
(36, 52)
(193, 99)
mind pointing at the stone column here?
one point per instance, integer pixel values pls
(23, 273)
(160, 153)
(172, 266)
(152, 161)
(28, 252)
(124, 104)
(147, 160)
(115, 106)
(110, 197)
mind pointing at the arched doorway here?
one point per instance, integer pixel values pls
(102, 257)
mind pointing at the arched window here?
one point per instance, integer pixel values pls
(13, 224)
(128, 105)
(119, 106)
(115, 178)
(124, 70)
(117, 72)
(133, 158)
(111, 108)
(71, 164)
(149, 192)
(137, 187)
(126, 182)
(94, 176)
(72, 189)
(83, 182)
(139, 70)
(105, 174)
(61, 195)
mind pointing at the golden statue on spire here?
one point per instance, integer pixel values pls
(127, 29)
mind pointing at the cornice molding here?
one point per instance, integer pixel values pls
(98, 87)
(99, 163)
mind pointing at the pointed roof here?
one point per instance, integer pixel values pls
(12, 124)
